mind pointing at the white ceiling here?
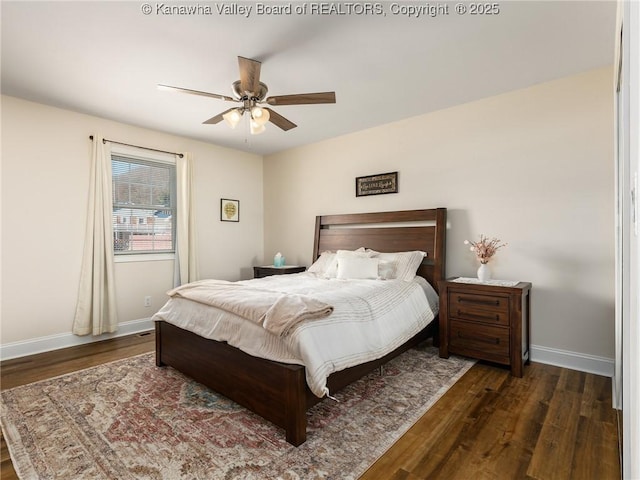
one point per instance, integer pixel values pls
(105, 59)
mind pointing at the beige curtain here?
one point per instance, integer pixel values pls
(185, 267)
(96, 307)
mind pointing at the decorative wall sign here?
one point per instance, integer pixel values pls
(229, 210)
(377, 184)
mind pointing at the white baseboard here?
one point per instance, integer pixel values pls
(575, 361)
(64, 340)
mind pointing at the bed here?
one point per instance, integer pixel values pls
(279, 391)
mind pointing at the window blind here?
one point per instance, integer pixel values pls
(144, 208)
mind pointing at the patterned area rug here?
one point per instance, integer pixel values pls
(131, 420)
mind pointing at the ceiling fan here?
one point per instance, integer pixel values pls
(251, 93)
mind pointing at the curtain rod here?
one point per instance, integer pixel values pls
(138, 146)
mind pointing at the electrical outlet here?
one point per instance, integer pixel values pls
(147, 301)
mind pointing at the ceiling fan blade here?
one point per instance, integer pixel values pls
(249, 75)
(303, 99)
(218, 118)
(196, 92)
(280, 121)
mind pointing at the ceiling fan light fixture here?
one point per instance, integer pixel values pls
(260, 115)
(251, 93)
(256, 128)
(233, 117)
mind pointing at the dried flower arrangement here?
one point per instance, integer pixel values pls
(485, 248)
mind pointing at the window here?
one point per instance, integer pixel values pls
(144, 205)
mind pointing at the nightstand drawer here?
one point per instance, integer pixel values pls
(478, 315)
(479, 341)
(459, 298)
(492, 309)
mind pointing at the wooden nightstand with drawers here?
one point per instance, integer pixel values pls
(486, 321)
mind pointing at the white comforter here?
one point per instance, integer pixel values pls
(370, 319)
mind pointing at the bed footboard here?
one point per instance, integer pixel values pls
(275, 391)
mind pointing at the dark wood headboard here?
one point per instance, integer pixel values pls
(398, 231)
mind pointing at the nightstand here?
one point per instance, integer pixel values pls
(486, 321)
(266, 270)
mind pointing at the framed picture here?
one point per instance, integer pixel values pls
(377, 184)
(229, 210)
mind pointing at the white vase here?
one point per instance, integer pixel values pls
(484, 273)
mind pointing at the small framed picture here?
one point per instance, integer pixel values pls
(229, 210)
(378, 184)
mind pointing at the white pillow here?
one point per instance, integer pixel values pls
(332, 268)
(321, 264)
(405, 264)
(357, 267)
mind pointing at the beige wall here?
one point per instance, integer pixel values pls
(45, 172)
(533, 167)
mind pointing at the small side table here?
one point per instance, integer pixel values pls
(487, 322)
(266, 270)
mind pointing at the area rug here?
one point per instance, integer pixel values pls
(132, 420)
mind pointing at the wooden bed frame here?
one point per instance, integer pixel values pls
(276, 391)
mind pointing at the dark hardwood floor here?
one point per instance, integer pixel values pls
(551, 424)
